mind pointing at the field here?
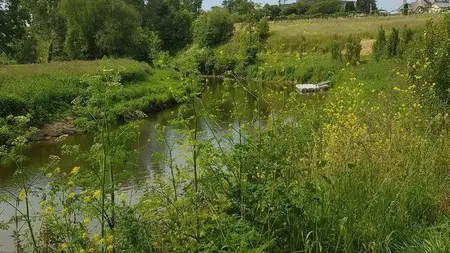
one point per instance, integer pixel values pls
(287, 35)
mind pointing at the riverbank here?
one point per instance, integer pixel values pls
(46, 92)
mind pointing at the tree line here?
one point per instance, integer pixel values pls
(45, 30)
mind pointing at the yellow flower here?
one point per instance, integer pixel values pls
(22, 194)
(96, 237)
(87, 199)
(110, 248)
(75, 170)
(49, 210)
(71, 195)
(110, 239)
(63, 246)
(97, 194)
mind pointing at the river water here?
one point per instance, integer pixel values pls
(39, 152)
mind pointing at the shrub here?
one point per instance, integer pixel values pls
(353, 50)
(406, 37)
(393, 43)
(263, 29)
(213, 27)
(336, 49)
(380, 45)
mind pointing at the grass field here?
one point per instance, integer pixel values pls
(290, 35)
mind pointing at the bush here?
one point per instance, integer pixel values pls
(213, 28)
(406, 37)
(336, 49)
(379, 47)
(353, 50)
(263, 29)
(392, 44)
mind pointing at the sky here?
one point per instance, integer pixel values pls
(388, 5)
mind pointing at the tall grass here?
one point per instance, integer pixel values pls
(46, 91)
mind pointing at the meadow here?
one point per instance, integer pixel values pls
(362, 168)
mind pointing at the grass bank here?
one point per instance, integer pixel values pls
(47, 90)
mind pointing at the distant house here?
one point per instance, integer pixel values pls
(431, 6)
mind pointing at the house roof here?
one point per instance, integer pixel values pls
(442, 5)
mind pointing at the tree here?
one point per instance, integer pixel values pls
(366, 6)
(171, 20)
(213, 27)
(99, 27)
(326, 7)
(239, 7)
(13, 19)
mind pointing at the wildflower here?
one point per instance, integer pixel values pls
(87, 199)
(22, 194)
(110, 239)
(49, 210)
(97, 194)
(75, 170)
(70, 183)
(71, 195)
(49, 175)
(96, 237)
(86, 220)
(63, 246)
(396, 88)
(110, 248)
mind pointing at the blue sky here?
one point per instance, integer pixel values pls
(385, 4)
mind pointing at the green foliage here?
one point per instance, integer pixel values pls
(213, 28)
(393, 43)
(379, 48)
(98, 28)
(353, 50)
(406, 37)
(336, 49)
(171, 21)
(325, 7)
(47, 91)
(366, 6)
(429, 60)
(13, 19)
(263, 29)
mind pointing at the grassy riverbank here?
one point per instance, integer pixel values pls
(46, 91)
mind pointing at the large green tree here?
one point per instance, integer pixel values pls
(13, 19)
(172, 20)
(99, 27)
(366, 6)
(213, 27)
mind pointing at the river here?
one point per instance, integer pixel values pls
(38, 153)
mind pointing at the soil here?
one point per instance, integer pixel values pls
(55, 130)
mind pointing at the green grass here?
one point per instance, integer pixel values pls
(318, 34)
(46, 91)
